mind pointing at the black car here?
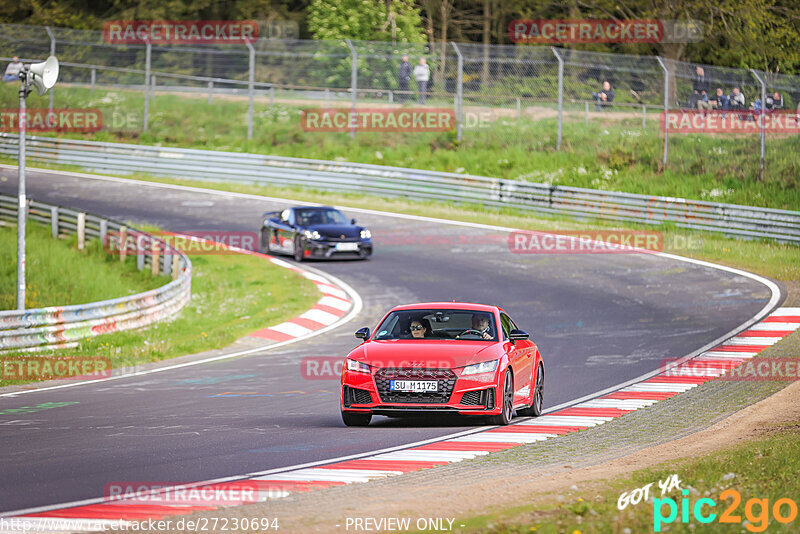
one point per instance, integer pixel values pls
(314, 232)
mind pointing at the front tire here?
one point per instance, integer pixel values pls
(356, 419)
(507, 406)
(535, 409)
(299, 249)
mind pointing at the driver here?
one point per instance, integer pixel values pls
(480, 322)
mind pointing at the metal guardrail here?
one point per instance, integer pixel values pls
(62, 326)
(730, 219)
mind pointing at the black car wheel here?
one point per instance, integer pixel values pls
(299, 249)
(507, 408)
(263, 242)
(535, 409)
(356, 419)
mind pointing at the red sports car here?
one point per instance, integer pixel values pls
(440, 357)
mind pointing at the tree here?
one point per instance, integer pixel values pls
(366, 20)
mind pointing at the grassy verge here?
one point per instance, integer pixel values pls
(93, 274)
(610, 154)
(761, 469)
(232, 295)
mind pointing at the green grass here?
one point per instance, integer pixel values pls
(609, 154)
(92, 274)
(762, 469)
(232, 295)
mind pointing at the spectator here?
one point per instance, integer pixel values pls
(422, 73)
(12, 71)
(720, 101)
(775, 101)
(403, 78)
(604, 97)
(736, 99)
(700, 89)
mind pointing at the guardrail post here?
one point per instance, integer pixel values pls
(167, 268)
(52, 53)
(176, 267)
(156, 250)
(763, 123)
(271, 95)
(140, 253)
(586, 114)
(459, 102)
(644, 117)
(666, 108)
(81, 231)
(250, 80)
(153, 86)
(327, 97)
(560, 96)
(103, 230)
(391, 96)
(54, 221)
(94, 78)
(353, 81)
(146, 84)
(519, 110)
(210, 90)
(123, 243)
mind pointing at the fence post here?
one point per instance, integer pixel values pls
(148, 51)
(271, 95)
(250, 79)
(586, 114)
(123, 242)
(666, 108)
(52, 53)
(153, 87)
(763, 123)
(210, 90)
(176, 266)
(141, 251)
(519, 110)
(103, 230)
(644, 117)
(94, 78)
(391, 96)
(54, 221)
(459, 101)
(353, 80)
(560, 96)
(81, 231)
(156, 251)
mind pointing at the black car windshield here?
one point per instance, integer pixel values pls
(438, 324)
(311, 217)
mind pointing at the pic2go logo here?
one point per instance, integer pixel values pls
(756, 511)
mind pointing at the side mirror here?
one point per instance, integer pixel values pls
(352, 221)
(362, 333)
(518, 335)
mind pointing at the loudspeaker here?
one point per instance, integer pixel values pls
(44, 75)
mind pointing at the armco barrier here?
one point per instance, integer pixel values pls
(730, 219)
(63, 325)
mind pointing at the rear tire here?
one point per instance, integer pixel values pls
(507, 400)
(356, 419)
(535, 409)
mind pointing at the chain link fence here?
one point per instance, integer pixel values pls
(489, 87)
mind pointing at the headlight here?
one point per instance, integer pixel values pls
(357, 367)
(478, 368)
(366, 234)
(311, 235)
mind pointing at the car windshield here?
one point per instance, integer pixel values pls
(310, 217)
(438, 324)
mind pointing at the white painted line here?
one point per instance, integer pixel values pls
(332, 291)
(334, 302)
(774, 326)
(428, 456)
(504, 437)
(721, 355)
(320, 316)
(291, 329)
(623, 404)
(330, 475)
(786, 311)
(315, 277)
(755, 341)
(567, 420)
(664, 387)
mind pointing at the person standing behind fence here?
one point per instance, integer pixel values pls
(13, 70)
(422, 73)
(403, 77)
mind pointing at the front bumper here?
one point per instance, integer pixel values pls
(320, 249)
(370, 393)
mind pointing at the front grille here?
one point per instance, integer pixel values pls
(356, 396)
(445, 377)
(338, 238)
(473, 398)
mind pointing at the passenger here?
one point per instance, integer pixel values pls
(420, 328)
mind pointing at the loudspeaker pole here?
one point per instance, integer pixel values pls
(22, 205)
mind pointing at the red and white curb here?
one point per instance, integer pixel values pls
(275, 484)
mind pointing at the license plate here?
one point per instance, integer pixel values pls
(413, 386)
(347, 247)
